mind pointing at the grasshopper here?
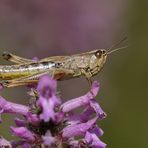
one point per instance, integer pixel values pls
(26, 71)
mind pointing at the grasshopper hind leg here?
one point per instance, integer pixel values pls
(28, 80)
(8, 84)
(14, 58)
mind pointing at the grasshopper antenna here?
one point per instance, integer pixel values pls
(109, 51)
(114, 50)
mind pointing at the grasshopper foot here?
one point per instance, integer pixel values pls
(6, 55)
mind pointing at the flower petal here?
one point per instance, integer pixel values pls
(15, 143)
(73, 118)
(33, 118)
(81, 101)
(94, 141)
(48, 139)
(26, 145)
(4, 143)
(24, 133)
(20, 122)
(97, 108)
(97, 130)
(47, 109)
(1, 111)
(9, 107)
(78, 129)
(46, 86)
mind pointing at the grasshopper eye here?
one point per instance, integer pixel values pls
(98, 53)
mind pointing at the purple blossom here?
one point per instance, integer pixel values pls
(47, 121)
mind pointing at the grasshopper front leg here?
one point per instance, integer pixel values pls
(88, 76)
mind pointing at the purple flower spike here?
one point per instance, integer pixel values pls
(48, 122)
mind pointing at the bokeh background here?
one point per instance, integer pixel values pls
(46, 28)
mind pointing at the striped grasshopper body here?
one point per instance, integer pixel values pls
(27, 71)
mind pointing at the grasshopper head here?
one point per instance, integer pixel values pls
(97, 60)
(101, 55)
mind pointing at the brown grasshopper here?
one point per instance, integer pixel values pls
(27, 71)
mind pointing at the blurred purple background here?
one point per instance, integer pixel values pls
(45, 28)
